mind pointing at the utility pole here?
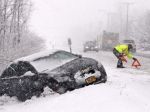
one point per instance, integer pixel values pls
(127, 18)
(127, 22)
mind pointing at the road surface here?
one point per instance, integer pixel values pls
(127, 90)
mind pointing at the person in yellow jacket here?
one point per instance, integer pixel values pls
(123, 50)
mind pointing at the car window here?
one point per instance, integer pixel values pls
(90, 43)
(64, 55)
(18, 69)
(52, 61)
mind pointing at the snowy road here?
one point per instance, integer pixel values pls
(127, 90)
(143, 55)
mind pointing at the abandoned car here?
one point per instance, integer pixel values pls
(59, 70)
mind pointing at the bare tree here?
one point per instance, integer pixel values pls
(15, 38)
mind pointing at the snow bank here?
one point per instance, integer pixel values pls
(127, 90)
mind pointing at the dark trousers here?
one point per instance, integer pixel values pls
(117, 54)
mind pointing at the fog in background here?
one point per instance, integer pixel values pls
(81, 20)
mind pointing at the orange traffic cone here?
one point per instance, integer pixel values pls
(136, 63)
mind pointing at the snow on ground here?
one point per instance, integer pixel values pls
(127, 90)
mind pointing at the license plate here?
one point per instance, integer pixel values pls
(90, 80)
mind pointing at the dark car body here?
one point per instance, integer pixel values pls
(91, 46)
(59, 70)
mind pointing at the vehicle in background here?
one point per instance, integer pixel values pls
(109, 40)
(91, 46)
(59, 70)
(132, 42)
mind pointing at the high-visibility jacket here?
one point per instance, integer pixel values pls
(123, 48)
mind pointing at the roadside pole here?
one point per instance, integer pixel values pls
(127, 4)
(70, 43)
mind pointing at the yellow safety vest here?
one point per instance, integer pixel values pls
(123, 48)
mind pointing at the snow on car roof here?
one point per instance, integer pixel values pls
(37, 55)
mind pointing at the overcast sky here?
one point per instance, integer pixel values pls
(57, 20)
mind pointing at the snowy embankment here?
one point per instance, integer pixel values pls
(127, 90)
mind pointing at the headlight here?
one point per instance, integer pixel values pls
(96, 47)
(86, 47)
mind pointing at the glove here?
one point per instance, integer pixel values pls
(121, 55)
(134, 59)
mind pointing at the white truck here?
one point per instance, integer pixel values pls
(109, 40)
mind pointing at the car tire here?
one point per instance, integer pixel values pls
(22, 97)
(25, 96)
(66, 86)
(61, 90)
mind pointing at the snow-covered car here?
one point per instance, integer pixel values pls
(59, 70)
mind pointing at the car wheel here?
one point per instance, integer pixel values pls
(61, 90)
(22, 97)
(66, 86)
(25, 96)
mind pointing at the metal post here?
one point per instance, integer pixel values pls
(69, 43)
(127, 21)
(127, 18)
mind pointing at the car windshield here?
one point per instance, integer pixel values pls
(128, 41)
(52, 61)
(90, 43)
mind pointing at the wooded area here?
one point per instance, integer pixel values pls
(15, 38)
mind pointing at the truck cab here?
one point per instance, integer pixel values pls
(132, 42)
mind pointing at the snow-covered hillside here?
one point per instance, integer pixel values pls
(127, 90)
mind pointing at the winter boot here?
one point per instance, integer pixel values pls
(120, 64)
